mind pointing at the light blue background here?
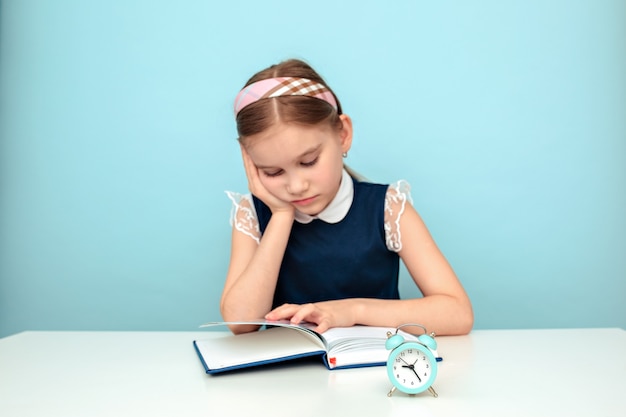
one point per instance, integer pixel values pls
(507, 117)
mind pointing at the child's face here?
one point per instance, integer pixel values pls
(301, 164)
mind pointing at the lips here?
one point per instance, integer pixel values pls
(304, 201)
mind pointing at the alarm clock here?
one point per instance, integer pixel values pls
(411, 366)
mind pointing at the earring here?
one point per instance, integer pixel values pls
(345, 154)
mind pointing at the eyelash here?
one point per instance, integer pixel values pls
(310, 163)
(305, 164)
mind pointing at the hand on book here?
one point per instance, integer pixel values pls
(326, 314)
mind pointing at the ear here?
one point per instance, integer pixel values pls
(345, 134)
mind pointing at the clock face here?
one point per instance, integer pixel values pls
(412, 368)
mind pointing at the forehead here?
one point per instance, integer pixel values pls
(286, 142)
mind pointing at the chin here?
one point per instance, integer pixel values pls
(309, 211)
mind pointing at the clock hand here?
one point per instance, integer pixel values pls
(415, 372)
(412, 368)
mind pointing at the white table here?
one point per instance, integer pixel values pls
(576, 372)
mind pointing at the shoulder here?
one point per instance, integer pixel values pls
(238, 199)
(370, 189)
(243, 216)
(399, 191)
(396, 197)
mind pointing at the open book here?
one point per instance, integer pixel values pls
(339, 347)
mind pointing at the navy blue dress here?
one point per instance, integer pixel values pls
(349, 259)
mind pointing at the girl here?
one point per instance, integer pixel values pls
(312, 242)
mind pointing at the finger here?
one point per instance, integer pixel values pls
(248, 165)
(295, 313)
(322, 326)
(306, 312)
(285, 311)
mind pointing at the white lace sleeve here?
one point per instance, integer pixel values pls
(243, 215)
(395, 200)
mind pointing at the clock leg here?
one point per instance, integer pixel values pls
(432, 391)
(390, 393)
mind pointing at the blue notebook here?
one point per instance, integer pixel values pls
(337, 348)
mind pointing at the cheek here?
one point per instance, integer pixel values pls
(270, 184)
(334, 168)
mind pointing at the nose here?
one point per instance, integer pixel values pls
(297, 184)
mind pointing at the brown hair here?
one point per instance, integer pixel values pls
(261, 115)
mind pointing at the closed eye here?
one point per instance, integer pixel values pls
(273, 174)
(280, 171)
(310, 163)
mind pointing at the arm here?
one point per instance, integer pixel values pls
(445, 307)
(253, 269)
(252, 273)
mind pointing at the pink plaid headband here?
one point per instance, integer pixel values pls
(282, 86)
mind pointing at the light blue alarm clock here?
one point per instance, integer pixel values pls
(411, 366)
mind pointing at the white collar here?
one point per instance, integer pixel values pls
(338, 208)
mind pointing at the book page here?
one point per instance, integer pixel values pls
(358, 345)
(345, 346)
(257, 347)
